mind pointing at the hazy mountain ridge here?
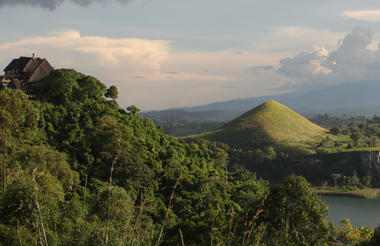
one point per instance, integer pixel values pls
(344, 101)
(341, 96)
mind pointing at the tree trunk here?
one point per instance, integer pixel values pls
(5, 160)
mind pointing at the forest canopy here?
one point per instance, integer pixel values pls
(80, 170)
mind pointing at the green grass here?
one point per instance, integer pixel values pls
(359, 193)
(279, 122)
(269, 124)
(273, 124)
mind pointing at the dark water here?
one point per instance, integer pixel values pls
(360, 211)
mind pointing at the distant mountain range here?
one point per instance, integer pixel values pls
(347, 95)
(355, 98)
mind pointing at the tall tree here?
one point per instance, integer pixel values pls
(112, 92)
(133, 109)
(295, 215)
(16, 110)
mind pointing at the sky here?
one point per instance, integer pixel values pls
(176, 53)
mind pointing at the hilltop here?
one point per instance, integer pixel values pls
(271, 123)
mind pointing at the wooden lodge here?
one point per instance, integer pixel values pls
(25, 70)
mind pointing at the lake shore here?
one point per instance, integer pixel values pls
(362, 193)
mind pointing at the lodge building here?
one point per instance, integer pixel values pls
(25, 70)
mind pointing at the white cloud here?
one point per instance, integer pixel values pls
(306, 63)
(151, 73)
(352, 61)
(69, 48)
(351, 55)
(154, 75)
(200, 77)
(353, 49)
(365, 15)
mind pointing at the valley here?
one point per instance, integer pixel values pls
(274, 141)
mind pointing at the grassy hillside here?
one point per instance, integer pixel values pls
(271, 123)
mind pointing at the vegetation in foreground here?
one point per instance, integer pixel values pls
(78, 170)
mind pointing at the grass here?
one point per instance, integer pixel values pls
(359, 193)
(279, 122)
(271, 123)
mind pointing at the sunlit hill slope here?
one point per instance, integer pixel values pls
(269, 124)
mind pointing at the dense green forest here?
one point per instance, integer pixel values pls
(79, 170)
(181, 123)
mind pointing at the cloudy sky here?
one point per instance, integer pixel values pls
(174, 53)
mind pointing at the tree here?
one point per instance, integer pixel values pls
(336, 177)
(295, 215)
(270, 153)
(58, 88)
(355, 136)
(17, 204)
(67, 87)
(354, 179)
(47, 160)
(16, 110)
(336, 130)
(112, 92)
(115, 206)
(367, 180)
(258, 156)
(350, 236)
(133, 109)
(375, 240)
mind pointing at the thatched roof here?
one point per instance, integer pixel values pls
(21, 63)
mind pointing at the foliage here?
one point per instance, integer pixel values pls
(133, 109)
(15, 109)
(333, 121)
(89, 173)
(350, 236)
(186, 127)
(374, 240)
(16, 113)
(295, 215)
(112, 92)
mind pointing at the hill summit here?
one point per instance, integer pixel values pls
(270, 123)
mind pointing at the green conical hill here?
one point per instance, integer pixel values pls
(271, 123)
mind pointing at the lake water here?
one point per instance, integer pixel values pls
(360, 211)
